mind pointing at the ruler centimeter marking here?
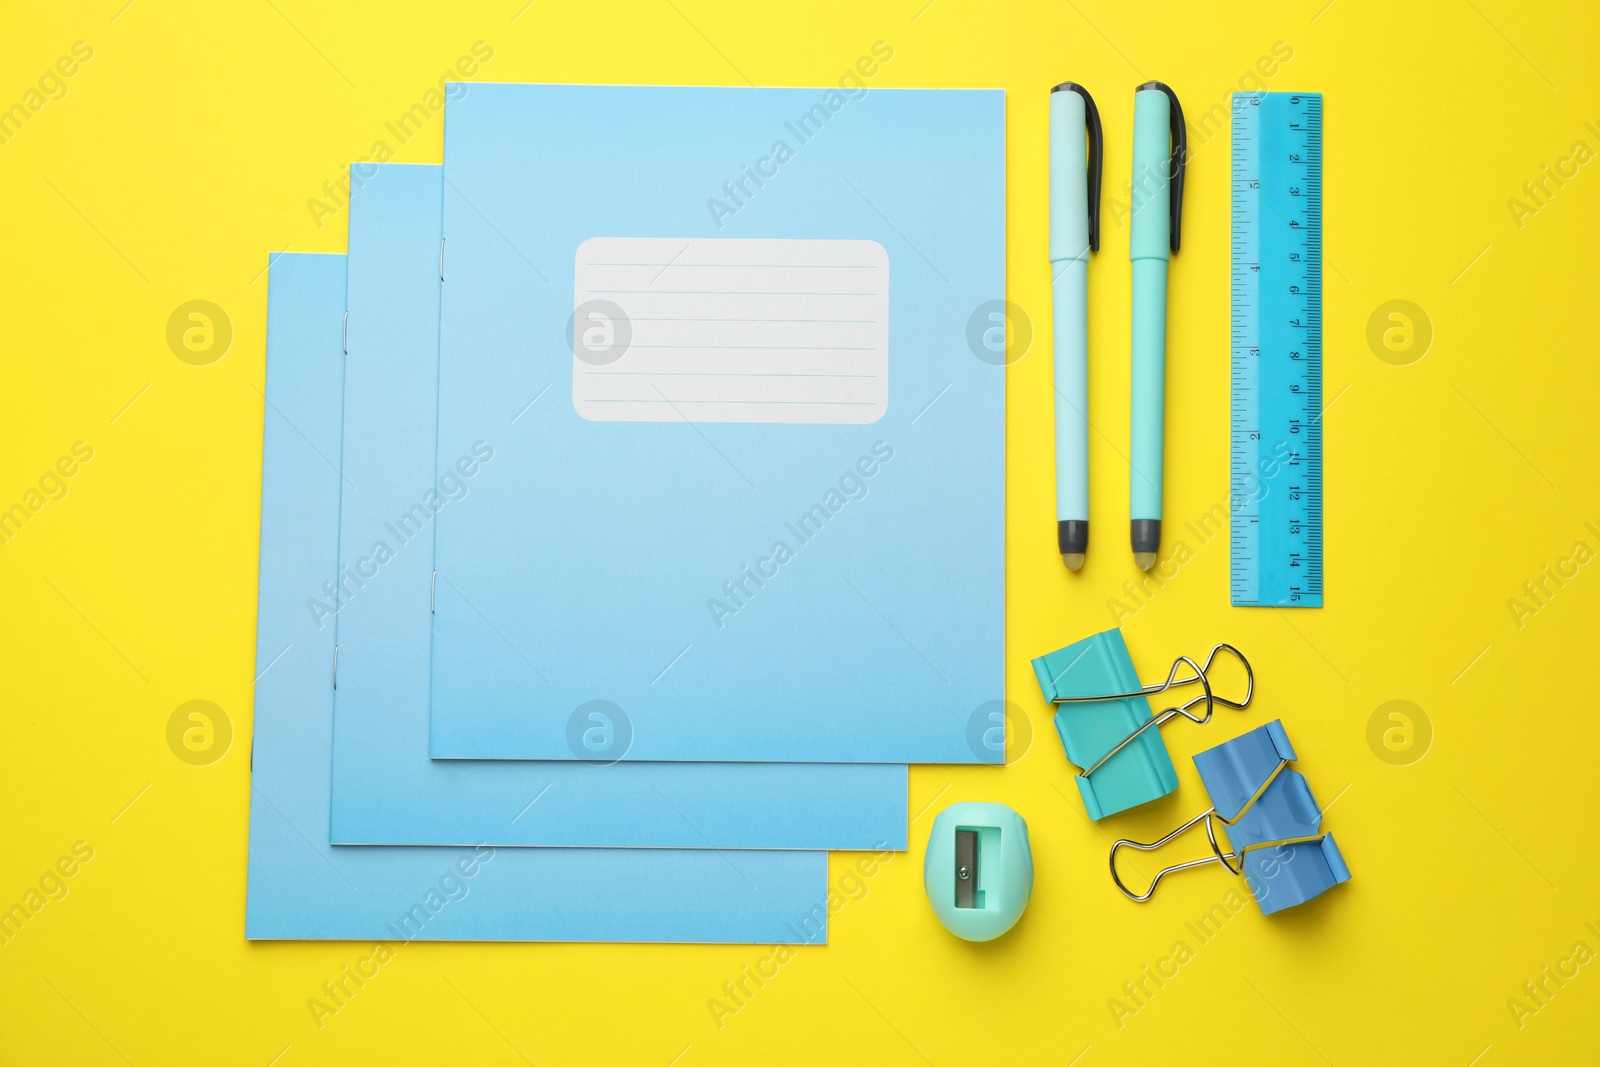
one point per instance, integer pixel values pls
(1275, 456)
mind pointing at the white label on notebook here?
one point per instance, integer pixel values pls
(713, 329)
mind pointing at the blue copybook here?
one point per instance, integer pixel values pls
(300, 887)
(741, 355)
(385, 788)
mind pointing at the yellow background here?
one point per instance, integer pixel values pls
(187, 149)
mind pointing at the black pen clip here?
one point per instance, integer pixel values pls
(1180, 156)
(1091, 117)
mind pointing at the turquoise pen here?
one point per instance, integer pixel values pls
(1075, 166)
(1160, 146)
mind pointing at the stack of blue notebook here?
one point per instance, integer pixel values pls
(632, 514)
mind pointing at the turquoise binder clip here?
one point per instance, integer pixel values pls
(1106, 724)
(1272, 822)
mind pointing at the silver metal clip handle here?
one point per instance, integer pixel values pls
(1206, 697)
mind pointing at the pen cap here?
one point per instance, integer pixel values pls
(1074, 151)
(1152, 174)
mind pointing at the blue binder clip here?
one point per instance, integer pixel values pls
(1105, 721)
(1273, 824)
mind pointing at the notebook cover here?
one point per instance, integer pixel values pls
(299, 886)
(386, 790)
(763, 525)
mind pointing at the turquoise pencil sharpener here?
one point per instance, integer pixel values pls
(979, 869)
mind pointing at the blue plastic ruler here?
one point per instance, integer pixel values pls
(1275, 478)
